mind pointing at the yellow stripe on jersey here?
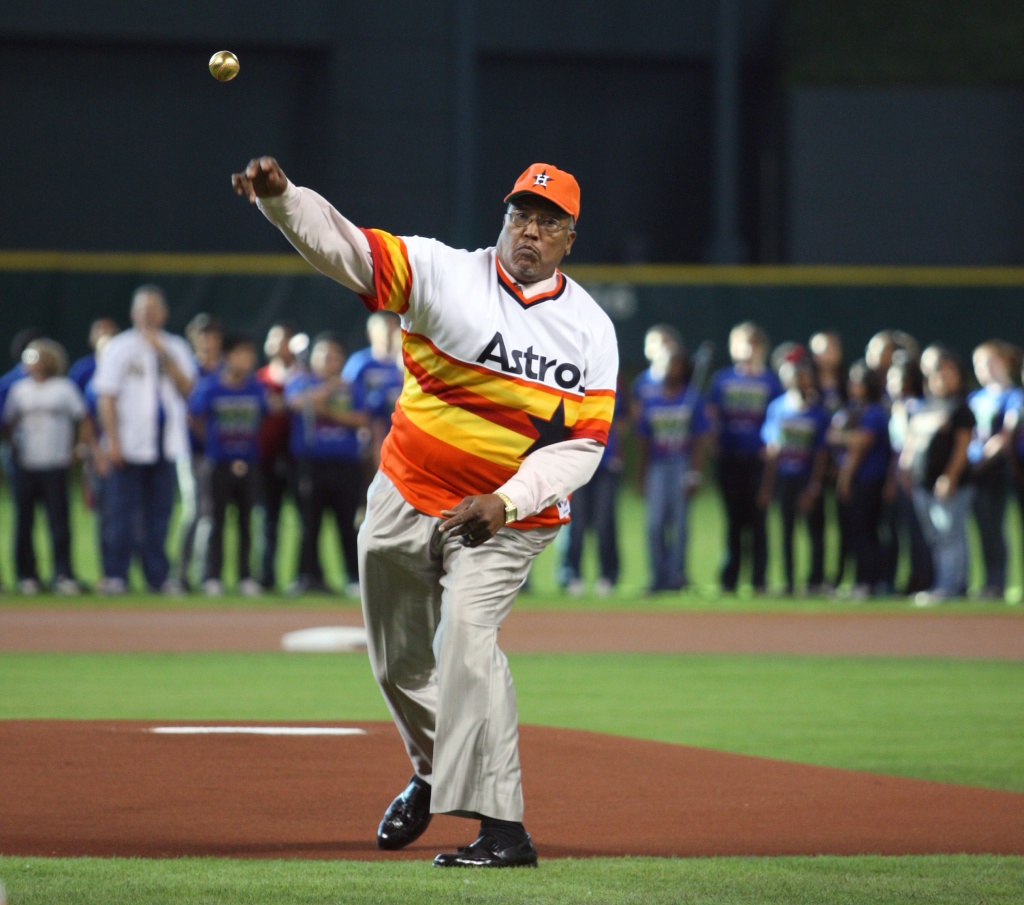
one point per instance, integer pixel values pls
(500, 389)
(597, 407)
(392, 274)
(460, 426)
(466, 420)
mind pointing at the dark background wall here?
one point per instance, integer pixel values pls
(415, 117)
(876, 133)
(906, 176)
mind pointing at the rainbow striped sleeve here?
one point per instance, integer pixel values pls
(392, 273)
(595, 416)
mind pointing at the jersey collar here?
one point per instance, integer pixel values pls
(531, 293)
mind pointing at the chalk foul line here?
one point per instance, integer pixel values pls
(256, 730)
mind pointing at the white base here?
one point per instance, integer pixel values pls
(325, 639)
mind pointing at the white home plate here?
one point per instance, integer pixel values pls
(256, 730)
(326, 638)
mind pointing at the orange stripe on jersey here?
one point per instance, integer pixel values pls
(478, 432)
(464, 383)
(392, 273)
(595, 416)
(591, 430)
(481, 410)
(433, 474)
(468, 400)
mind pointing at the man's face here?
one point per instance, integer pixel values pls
(531, 253)
(149, 312)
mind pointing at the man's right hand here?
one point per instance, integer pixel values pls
(262, 178)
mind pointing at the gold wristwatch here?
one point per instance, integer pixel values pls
(511, 513)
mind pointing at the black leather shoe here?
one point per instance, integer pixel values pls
(407, 816)
(489, 851)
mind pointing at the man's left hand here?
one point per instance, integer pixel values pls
(475, 520)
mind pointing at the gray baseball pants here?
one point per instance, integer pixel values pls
(432, 609)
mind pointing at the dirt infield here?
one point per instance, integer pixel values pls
(930, 634)
(117, 789)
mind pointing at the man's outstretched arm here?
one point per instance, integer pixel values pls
(331, 243)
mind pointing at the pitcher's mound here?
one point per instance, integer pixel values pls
(119, 789)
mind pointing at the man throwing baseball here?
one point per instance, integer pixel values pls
(508, 398)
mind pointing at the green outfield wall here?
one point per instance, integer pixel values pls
(61, 293)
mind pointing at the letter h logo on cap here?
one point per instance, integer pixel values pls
(547, 181)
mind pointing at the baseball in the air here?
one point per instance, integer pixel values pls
(224, 65)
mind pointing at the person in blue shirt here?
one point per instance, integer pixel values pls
(82, 369)
(660, 341)
(668, 427)
(826, 348)
(795, 459)
(205, 334)
(859, 434)
(737, 401)
(226, 409)
(988, 457)
(327, 416)
(378, 369)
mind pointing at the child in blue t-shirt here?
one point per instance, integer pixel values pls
(859, 435)
(668, 424)
(988, 455)
(379, 370)
(660, 341)
(328, 415)
(226, 409)
(736, 403)
(795, 459)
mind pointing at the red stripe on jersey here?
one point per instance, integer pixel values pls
(392, 273)
(503, 416)
(590, 429)
(432, 475)
(489, 372)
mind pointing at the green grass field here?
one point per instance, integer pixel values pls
(949, 720)
(954, 880)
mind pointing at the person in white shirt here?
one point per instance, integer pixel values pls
(511, 371)
(46, 413)
(142, 383)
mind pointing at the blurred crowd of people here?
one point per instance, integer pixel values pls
(900, 449)
(908, 442)
(154, 417)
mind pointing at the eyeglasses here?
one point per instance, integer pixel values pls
(550, 226)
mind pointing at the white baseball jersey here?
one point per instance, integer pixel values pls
(491, 376)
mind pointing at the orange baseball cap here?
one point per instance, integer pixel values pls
(547, 181)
